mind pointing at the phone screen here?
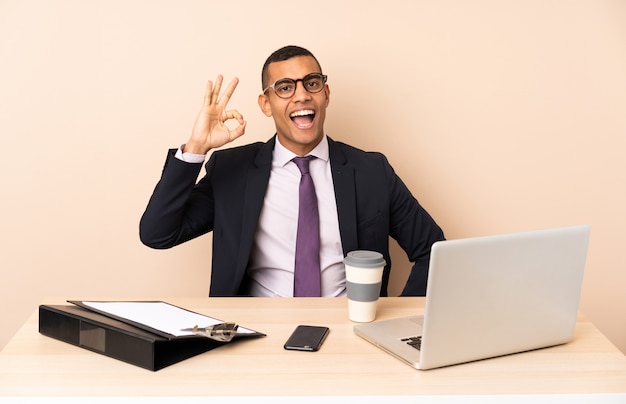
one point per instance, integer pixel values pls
(307, 338)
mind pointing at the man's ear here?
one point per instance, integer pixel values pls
(327, 91)
(264, 103)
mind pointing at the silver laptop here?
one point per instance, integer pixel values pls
(491, 296)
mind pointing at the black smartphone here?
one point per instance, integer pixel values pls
(307, 338)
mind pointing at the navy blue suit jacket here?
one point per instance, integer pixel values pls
(372, 205)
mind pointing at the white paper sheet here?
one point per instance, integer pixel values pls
(159, 316)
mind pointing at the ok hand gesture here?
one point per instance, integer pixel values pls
(210, 130)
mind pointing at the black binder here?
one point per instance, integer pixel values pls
(117, 339)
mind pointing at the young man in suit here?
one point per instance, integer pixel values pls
(249, 196)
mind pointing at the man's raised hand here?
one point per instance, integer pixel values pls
(210, 130)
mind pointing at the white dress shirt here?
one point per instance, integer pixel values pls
(271, 267)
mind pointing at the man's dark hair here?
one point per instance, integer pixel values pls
(282, 54)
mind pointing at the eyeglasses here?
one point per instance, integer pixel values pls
(286, 88)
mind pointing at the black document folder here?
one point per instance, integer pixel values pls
(120, 340)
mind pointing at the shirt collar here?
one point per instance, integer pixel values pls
(283, 156)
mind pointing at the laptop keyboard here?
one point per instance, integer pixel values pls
(415, 342)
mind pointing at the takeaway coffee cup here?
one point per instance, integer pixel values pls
(364, 274)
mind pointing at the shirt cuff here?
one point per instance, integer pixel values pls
(189, 157)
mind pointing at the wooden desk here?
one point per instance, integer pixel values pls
(35, 365)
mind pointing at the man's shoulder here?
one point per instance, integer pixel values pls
(239, 158)
(239, 154)
(355, 154)
(250, 148)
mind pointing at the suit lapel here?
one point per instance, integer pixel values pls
(256, 187)
(345, 195)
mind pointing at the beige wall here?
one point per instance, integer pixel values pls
(500, 116)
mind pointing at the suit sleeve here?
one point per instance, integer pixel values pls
(415, 231)
(178, 210)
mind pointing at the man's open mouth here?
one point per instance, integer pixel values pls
(303, 118)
